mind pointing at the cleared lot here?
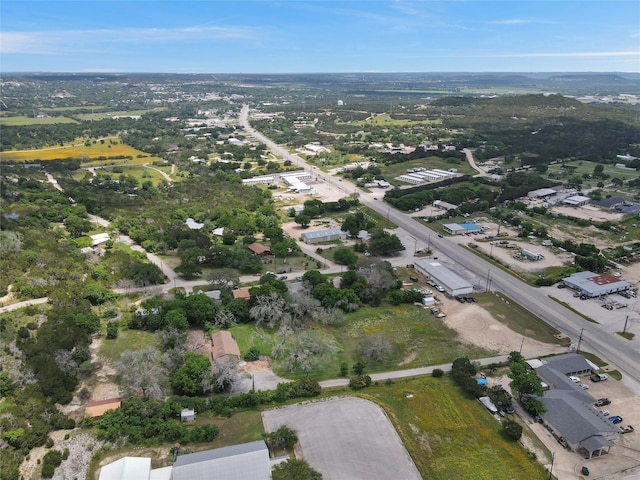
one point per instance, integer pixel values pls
(346, 438)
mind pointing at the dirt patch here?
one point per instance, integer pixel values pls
(477, 326)
(408, 359)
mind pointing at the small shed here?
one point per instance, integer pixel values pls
(259, 249)
(225, 347)
(187, 415)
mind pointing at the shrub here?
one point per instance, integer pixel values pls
(252, 355)
(512, 429)
(112, 331)
(437, 373)
(359, 382)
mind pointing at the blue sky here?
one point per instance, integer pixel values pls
(239, 36)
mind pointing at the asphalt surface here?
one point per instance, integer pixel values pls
(346, 439)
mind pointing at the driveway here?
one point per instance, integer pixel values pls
(346, 439)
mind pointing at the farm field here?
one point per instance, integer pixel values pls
(92, 152)
(22, 121)
(449, 435)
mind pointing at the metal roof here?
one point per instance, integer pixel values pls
(324, 233)
(127, 468)
(443, 275)
(594, 284)
(247, 461)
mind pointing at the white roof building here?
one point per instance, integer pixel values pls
(247, 461)
(99, 238)
(452, 283)
(193, 225)
(127, 468)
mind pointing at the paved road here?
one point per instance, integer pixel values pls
(622, 354)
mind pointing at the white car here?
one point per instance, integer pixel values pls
(426, 292)
(440, 288)
(584, 386)
(604, 413)
(574, 379)
(617, 274)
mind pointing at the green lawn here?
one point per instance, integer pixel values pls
(450, 436)
(112, 350)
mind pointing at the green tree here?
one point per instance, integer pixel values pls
(283, 437)
(187, 380)
(345, 256)
(294, 469)
(303, 220)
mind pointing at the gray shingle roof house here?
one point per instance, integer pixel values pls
(569, 364)
(570, 413)
(247, 461)
(578, 422)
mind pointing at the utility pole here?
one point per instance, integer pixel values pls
(553, 457)
(579, 340)
(521, 344)
(624, 330)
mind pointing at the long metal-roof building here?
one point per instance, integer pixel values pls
(453, 284)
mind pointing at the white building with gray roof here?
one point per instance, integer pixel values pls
(592, 284)
(321, 236)
(453, 284)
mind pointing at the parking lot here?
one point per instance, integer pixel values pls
(346, 438)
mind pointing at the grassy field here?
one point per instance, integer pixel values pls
(137, 171)
(112, 350)
(450, 436)
(517, 318)
(22, 121)
(103, 115)
(92, 152)
(418, 339)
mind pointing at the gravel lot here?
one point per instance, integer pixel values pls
(346, 439)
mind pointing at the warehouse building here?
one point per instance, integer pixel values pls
(542, 193)
(321, 236)
(453, 284)
(592, 284)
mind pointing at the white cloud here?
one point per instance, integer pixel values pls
(568, 54)
(52, 42)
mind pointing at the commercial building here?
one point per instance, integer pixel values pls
(576, 200)
(542, 193)
(268, 179)
(444, 205)
(321, 236)
(570, 416)
(461, 228)
(237, 462)
(592, 284)
(453, 284)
